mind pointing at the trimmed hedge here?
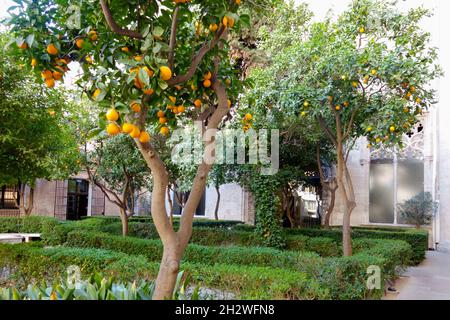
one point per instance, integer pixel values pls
(345, 277)
(34, 264)
(417, 239)
(152, 250)
(324, 242)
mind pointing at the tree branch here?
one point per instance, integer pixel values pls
(173, 36)
(327, 130)
(206, 47)
(113, 24)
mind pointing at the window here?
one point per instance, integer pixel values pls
(381, 194)
(392, 182)
(9, 196)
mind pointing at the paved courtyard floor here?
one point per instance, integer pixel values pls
(428, 281)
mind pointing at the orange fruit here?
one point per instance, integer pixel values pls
(112, 115)
(96, 93)
(135, 133)
(149, 72)
(248, 117)
(227, 81)
(46, 74)
(148, 92)
(230, 22)
(125, 49)
(369, 129)
(52, 50)
(127, 127)
(160, 114)
(346, 104)
(225, 21)
(165, 73)
(138, 58)
(207, 76)
(207, 83)
(164, 131)
(113, 129)
(181, 109)
(79, 43)
(173, 99)
(338, 107)
(50, 82)
(33, 62)
(229, 103)
(23, 45)
(238, 2)
(93, 35)
(136, 107)
(198, 103)
(144, 137)
(163, 120)
(57, 75)
(392, 129)
(137, 83)
(213, 27)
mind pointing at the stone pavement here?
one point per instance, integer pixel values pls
(428, 281)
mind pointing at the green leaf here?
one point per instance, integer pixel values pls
(158, 31)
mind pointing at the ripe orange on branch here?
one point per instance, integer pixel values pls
(198, 103)
(127, 127)
(50, 82)
(165, 73)
(52, 50)
(113, 129)
(79, 43)
(144, 137)
(112, 115)
(136, 107)
(135, 134)
(164, 131)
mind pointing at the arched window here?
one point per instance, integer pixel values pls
(395, 176)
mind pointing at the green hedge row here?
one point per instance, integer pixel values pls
(345, 277)
(34, 264)
(417, 239)
(324, 242)
(327, 243)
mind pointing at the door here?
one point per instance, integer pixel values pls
(77, 199)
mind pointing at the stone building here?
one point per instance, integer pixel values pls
(75, 198)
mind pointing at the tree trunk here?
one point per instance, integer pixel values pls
(25, 210)
(124, 220)
(216, 209)
(331, 204)
(346, 187)
(168, 271)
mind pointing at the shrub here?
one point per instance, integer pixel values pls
(94, 288)
(152, 250)
(418, 210)
(345, 277)
(33, 264)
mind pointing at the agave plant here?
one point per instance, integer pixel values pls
(96, 288)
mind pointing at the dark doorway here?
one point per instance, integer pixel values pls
(77, 199)
(184, 196)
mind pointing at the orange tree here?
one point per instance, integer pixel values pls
(149, 65)
(366, 74)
